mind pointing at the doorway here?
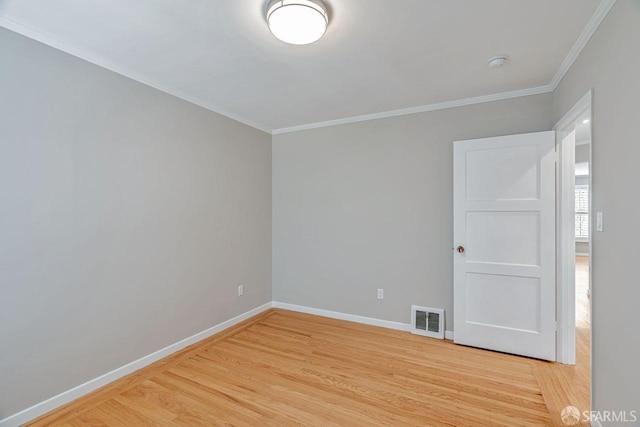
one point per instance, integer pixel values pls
(575, 249)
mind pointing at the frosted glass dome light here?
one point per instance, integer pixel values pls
(297, 21)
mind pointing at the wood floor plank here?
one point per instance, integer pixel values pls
(115, 414)
(265, 390)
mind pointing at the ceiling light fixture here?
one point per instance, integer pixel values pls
(498, 61)
(297, 21)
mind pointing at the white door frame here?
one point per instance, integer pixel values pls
(565, 272)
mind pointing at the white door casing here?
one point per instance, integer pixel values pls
(504, 218)
(566, 245)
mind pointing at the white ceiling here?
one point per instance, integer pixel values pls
(377, 56)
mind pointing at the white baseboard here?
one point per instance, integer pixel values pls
(350, 317)
(343, 316)
(63, 398)
(94, 384)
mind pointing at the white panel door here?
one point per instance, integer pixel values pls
(504, 233)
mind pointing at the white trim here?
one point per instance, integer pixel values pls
(343, 316)
(350, 317)
(566, 253)
(592, 25)
(419, 109)
(582, 254)
(566, 248)
(54, 402)
(581, 108)
(566, 124)
(56, 43)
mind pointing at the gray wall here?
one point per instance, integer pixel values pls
(582, 248)
(582, 153)
(610, 65)
(582, 180)
(369, 205)
(127, 219)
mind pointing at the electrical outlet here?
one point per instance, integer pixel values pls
(380, 293)
(240, 290)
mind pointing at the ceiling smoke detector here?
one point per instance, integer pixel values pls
(498, 61)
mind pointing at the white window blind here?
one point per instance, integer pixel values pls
(582, 211)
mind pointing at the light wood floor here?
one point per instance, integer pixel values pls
(284, 368)
(583, 330)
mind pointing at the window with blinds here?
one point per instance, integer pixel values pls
(582, 212)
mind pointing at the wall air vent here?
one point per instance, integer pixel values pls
(427, 321)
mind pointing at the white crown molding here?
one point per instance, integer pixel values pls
(56, 43)
(419, 109)
(592, 25)
(54, 402)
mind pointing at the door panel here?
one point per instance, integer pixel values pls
(503, 313)
(518, 178)
(497, 237)
(504, 217)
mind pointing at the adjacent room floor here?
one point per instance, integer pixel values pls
(583, 331)
(286, 368)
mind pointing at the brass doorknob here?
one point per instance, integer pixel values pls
(460, 249)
